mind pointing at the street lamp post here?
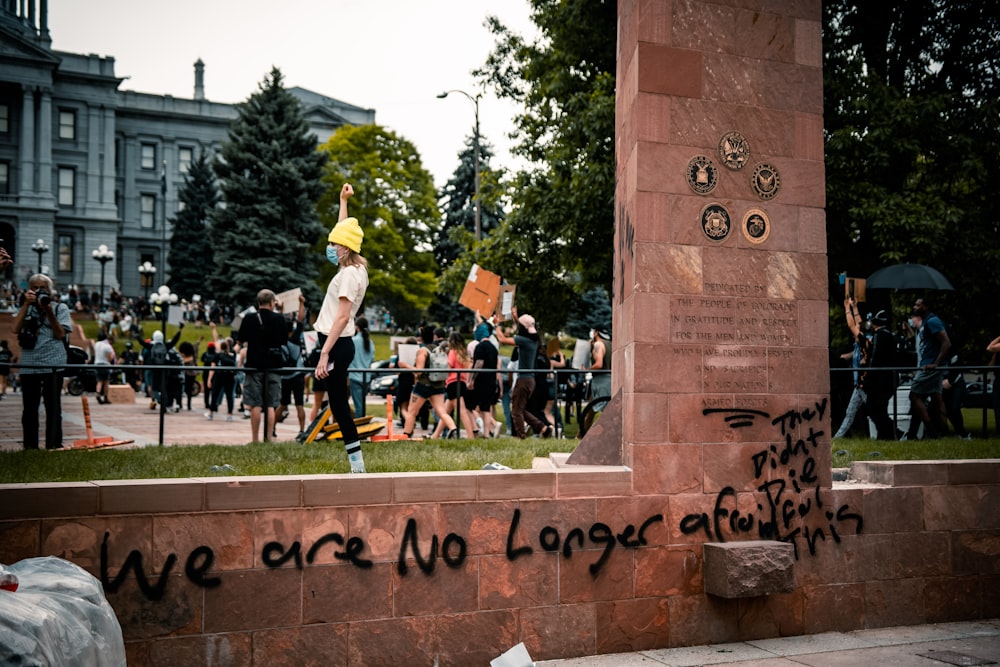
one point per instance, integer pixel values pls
(475, 146)
(146, 273)
(102, 255)
(163, 297)
(40, 247)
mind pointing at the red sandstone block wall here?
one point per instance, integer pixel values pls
(926, 552)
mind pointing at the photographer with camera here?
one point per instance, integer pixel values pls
(42, 326)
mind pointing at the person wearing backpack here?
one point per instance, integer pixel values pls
(222, 381)
(429, 385)
(265, 336)
(157, 354)
(335, 324)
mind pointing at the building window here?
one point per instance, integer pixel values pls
(4, 119)
(4, 178)
(67, 125)
(185, 155)
(148, 156)
(67, 186)
(65, 253)
(147, 211)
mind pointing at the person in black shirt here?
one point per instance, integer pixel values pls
(261, 332)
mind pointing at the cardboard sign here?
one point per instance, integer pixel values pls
(854, 288)
(484, 294)
(289, 302)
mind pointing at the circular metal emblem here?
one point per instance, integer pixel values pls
(702, 174)
(756, 226)
(765, 180)
(715, 222)
(734, 150)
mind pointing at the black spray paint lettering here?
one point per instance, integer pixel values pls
(453, 550)
(198, 562)
(599, 533)
(780, 520)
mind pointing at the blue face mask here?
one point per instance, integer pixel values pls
(332, 256)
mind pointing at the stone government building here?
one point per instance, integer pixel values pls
(83, 163)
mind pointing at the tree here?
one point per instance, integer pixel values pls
(190, 251)
(270, 177)
(456, 243)
(912, 140)
(395, 203)
(557, 241)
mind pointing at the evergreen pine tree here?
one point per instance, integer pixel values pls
(457, 234)
(190, 253)
(269, 173)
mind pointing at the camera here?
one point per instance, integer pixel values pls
(43, 297)
(27, 337)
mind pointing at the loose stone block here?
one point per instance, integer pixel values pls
(121, 393)
(748, 569)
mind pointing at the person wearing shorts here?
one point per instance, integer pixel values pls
(426, 391)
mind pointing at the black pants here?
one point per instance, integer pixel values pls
(878, 409)
(337, 390)
(35, 388)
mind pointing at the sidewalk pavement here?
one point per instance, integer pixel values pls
(135, 421)
(941, 644)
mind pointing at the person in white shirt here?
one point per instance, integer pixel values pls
(335, 324)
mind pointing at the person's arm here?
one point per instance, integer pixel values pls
(994, 347)
(346, 193)
(598, 356)
(945, 347)
(504, 338)
(176, 337)
(340, 321)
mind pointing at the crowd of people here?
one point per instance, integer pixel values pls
(881, 364)
(265, 370)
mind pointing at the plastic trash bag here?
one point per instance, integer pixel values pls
(58, 615)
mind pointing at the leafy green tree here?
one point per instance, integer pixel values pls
(396, 205)
(557, 240)
(269, 171)
(912, 140)
(190, 250)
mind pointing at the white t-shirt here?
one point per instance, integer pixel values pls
(104, 354)
(351, 282)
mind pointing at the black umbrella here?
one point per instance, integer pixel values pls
(908, 276)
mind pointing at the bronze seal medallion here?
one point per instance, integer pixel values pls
(715, 222)
(756, 225)
(765, 180)
(734, 150)
(702, 174)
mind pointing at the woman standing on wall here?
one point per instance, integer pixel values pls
(335, 324)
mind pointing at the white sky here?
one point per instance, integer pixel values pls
(394, 56)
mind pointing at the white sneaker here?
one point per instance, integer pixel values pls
(496, 430)
(229, 418)
(209, 416)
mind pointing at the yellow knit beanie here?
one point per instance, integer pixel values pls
(347, 233)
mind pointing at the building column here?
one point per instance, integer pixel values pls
(108, 167)
(45, 144)
(26, 162)
(94, 127)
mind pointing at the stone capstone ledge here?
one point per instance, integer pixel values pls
(749, 569)
(927, 473)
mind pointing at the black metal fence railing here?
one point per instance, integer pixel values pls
(572, 386)
(580, 398)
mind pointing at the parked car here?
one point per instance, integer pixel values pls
(974, 396)
(382, 384)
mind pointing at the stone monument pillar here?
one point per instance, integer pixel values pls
(720, 290)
